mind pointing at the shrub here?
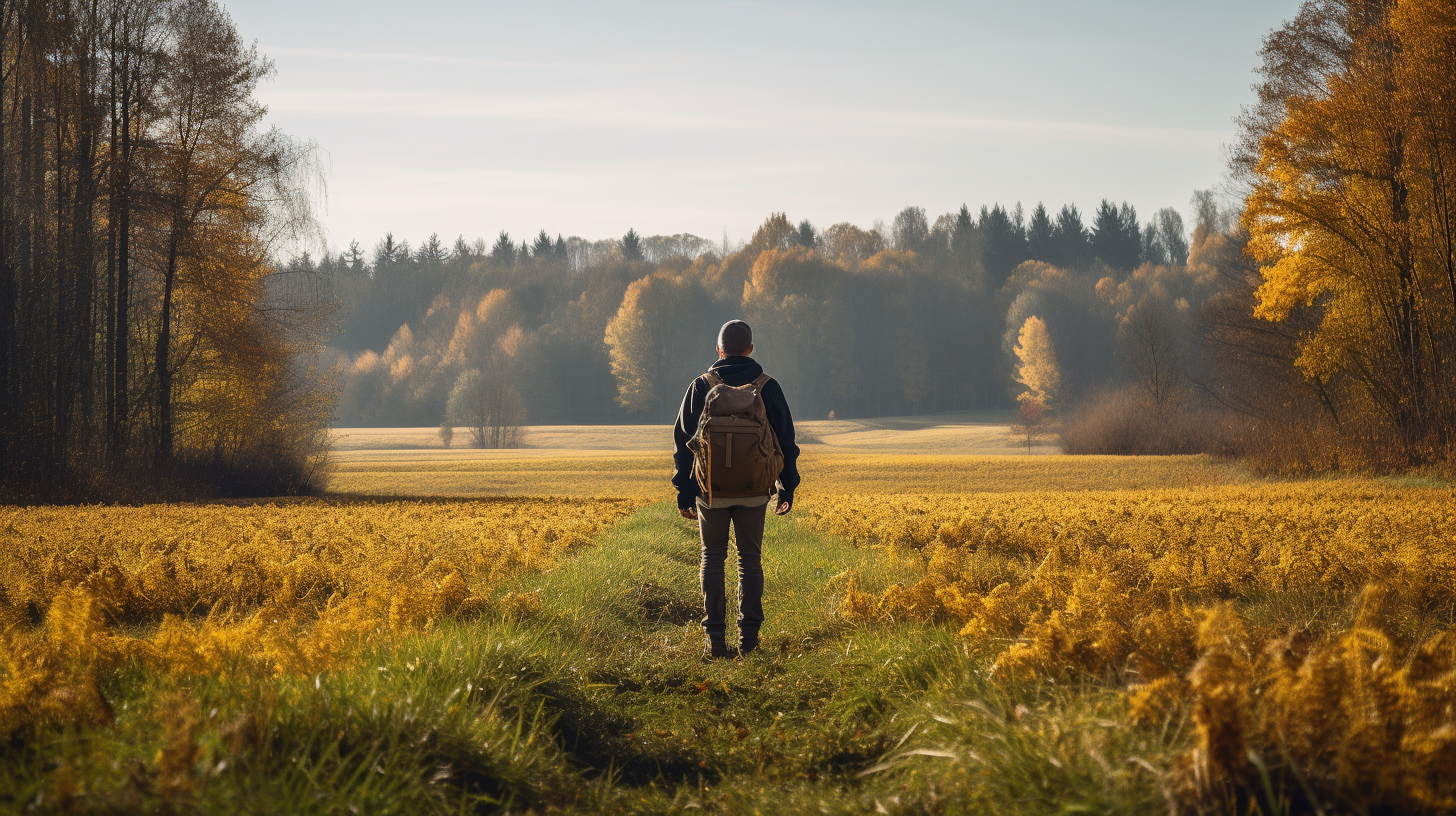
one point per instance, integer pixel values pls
(1123, 423)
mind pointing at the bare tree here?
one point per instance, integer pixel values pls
(1155, 352)
(488, 406)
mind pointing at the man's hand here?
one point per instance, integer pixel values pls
(689, 513)
(783, 508)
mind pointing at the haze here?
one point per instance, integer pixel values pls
(703, 117)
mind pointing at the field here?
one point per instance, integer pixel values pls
(950, 631)
(950, 453)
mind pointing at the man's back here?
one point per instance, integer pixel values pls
(735, 370)
(742, 512)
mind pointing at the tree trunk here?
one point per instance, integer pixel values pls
(1411, 411)
(7, 268)
(163, 452)
(109, 349)
(120, 409)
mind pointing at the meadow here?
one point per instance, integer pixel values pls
(948, 632)
(948, 453)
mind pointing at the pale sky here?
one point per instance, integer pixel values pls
(703, 116)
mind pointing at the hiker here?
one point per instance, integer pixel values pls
(748, 418)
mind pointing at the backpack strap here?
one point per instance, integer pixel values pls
(713, 379)
(759, 383)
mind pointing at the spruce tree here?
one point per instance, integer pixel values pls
(1039, 236)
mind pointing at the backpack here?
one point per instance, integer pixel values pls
(736, 453)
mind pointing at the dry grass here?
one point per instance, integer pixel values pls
(584, 474)
(879, 474)
(963, 434)
(476, 473)
(1308, 630)
(258, 590)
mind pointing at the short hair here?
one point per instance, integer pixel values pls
(735, 337)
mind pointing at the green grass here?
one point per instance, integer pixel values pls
(600, 701)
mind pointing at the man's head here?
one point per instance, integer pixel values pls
(735, 339)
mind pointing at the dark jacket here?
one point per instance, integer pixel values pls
(734, 371)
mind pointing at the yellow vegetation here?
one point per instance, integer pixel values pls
(1302, 627)
(583, 473)
(257, 590)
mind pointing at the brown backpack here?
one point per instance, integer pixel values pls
(736, 454)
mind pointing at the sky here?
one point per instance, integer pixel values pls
(705, 116)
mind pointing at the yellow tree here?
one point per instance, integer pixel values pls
(1038, 373)
(1349, 155)
(661, 338)
(224, 190)
(795, 300)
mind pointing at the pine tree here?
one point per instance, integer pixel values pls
(432, 252)
(1116, 240)
(503, 252)
(807, 236)
(632, 245)
(1004, 244)
(1040, 236)
(1072, 241)
(356, 258)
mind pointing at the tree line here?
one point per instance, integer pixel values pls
(146, 336)
(909, 317)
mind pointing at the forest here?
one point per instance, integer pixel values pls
(1143, 324)
(912, 317)
(147, 338)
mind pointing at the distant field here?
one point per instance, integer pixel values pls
(943, 454)
(967, 434)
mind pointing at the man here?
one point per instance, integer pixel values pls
(735, 367)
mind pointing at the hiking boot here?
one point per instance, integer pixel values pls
(716, 649)
(748, 641)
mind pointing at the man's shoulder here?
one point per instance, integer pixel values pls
(773, 391)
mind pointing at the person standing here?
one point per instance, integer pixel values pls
(739, 397)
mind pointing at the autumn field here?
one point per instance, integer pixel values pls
(949, 632)
(953, 452)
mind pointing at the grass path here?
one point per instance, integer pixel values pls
(628, 610)
(824, 717)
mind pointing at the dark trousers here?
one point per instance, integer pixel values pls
(747, 525)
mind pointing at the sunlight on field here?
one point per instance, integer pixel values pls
(986, 434)
(880, 474)
(887, 456)
(549, 437)
(478, 473)
(597, 473)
